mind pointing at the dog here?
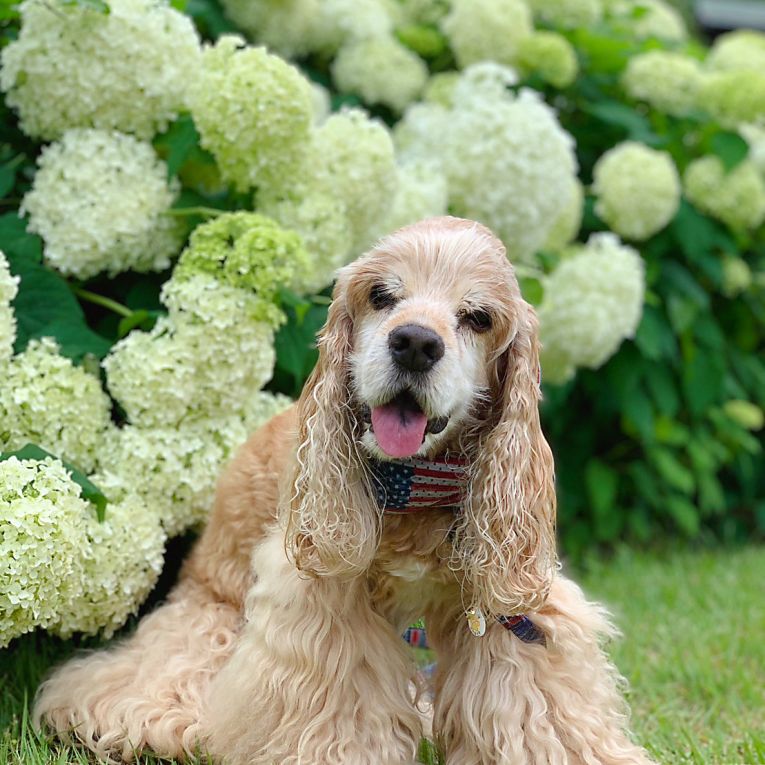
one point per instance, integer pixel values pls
(411, 479)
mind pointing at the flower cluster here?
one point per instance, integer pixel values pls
(253, 111)
(381, 71)
(344, 189)
(99, 201)
(638, 190)
(592, 302)
(74, 66)
(519, 177)
(47, 401)
(8, 289)
(41, 541)
(666, 80)
(487, 30)
(649, 18)
(174, 469)
(737, 198)
(567, 13)
(551, 56)
(59, 567)
(740, 50)
(295, 28)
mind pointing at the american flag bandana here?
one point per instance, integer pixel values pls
(406, 486)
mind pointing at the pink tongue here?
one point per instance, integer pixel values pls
(399, 432)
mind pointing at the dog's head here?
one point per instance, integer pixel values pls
(429, 346)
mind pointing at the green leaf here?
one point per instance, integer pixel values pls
(638, 416)
(295, 344)
(7, 177)
(685, 514)
(654, 336)
(89, 491)
(44, 305)
(672, 470)
(177, 143)
(602, 486)
(730, 147)
(625, 117)
(663, 388)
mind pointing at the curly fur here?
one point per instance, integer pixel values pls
(281, 642)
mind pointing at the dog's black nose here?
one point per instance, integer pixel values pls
(415, 347)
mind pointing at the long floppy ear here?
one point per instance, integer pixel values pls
(506, 542)
(333, 524)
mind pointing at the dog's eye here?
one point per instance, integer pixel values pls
(380, 297)
(478, 321)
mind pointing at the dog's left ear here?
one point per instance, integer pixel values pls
(506, 542)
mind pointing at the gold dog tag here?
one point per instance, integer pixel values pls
(476, 621)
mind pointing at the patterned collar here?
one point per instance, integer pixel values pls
(415, 484)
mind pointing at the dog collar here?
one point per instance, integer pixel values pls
(414, 484)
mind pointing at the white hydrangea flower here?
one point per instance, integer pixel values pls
(508, 164)
(122, 561)
(253, 111)
(321, 219)
(173, 470)
(743, 49)
(638, 190)
(42, 536)
(481, 30)
(295, 28)
(650, 18)
(8, 290)
(734, 97)
(200, 361)
(737, 198)
(351, 158)
(99, 200)
(566, 227)
(47, 401)
(380, 70)
(668, 81)
(420, 134)
(322, 103)
(73, 66)
(422, 193)
(592, 302)
(567, 13)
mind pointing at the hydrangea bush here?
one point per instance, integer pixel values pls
(183, 181)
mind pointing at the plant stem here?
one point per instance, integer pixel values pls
(104, 302)
(211, 212)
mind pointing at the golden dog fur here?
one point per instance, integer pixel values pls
(281, 643)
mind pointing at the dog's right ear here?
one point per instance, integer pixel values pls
(333, 522)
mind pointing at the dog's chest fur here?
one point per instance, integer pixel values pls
(410, 569)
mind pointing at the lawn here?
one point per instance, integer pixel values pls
(694, 652)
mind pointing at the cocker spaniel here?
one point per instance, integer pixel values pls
(411, 479)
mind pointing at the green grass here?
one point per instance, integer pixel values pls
(694, 653)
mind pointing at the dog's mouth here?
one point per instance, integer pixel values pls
(400, 426)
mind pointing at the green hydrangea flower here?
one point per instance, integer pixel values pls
(638, 190)
(649, 18)
(734, 97)
(737, 276)
(668, 81)
(46, 400)
(487, 30)
(8, 289)
(253, 111)
(592, 302)
(567, 225)
(247, 251)
(551, 56)
(736, 198)
(745, 413)
(568, 14)
(380, 70)
(73, 66)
